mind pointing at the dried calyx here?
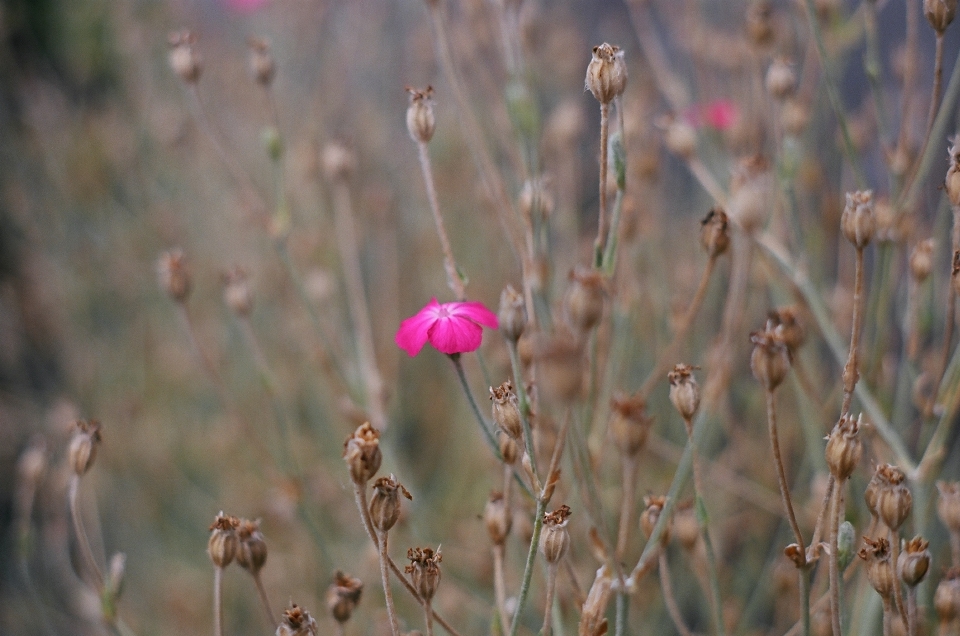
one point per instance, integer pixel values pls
(892, 499)
(554, 537)
(770, 359)
(606, 73)
(505, 409)
(385, 502)
(184, 60)
(876, 554)
(914, 561)
(424, 569)
(684, 390)
(629, 422)
(421, 122)
(297, 622)
(83, 446)
(362, 453)
(223, 544)
(652, 508)
(251, 547)
(715, 232)
(343, 595)
(844, 447)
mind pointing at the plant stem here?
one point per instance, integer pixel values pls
(626, 504)
(804, 574)
(385, 578)
(500, 587)
(453, 275)
(455, 358)
(937, 88)
(548, 604)
(622, 606)
(911, 611)
(781, 474)
(887, 618)
(894, 558)
(528, 568)
(602, 218)
(851, 371)
(668, 597)
(218, 601)
(524, 403)
(262, 593)
(83, 543)
(835, 512)
(428, 617)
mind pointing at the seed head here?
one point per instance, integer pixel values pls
(297, 622)
(680, 138)
(629, 423)
(921, 260)
(83, 446)
(946, 599)
(362, 453)
(237, 292)
(858, 221)
(914, 561)
(421, 122)
(751, 190)
(715, 232)
(535, 200)
(593, 621)
(685, 527)
(512, 315)
(223, 543)
(385, 503)
(251, 548)
(940, 13)
(788, 324)
(653, 506)
(781, 80)
(770, 359)
(844, 447)
(554, 537)
(184, 60)
(606, 73)
(684, 391)
(509, 449)
(584, 299)
(343, 595)
(338, 162)
(424, 569)
(497, 518)
(262, 66)
(876, 554)
(506, 412)
(948, 504)
(174, 275)
(893, 498)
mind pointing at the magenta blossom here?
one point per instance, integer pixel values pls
(720, 114)
(450, 327)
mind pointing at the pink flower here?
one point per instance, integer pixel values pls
(720, 114)
(450, 327)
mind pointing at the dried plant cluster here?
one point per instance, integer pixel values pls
(722, 371)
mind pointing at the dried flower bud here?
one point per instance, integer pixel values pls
(894, 500)
(685, 527)
(844, 447)
(593, 621)
(871, 494)
(653, 506)
(297, 622)
(879, 568)
(251, 549)
(940, 13)
(343, 596)
(795, 553)
(497, 518)
(236, 291)
(338, 162)
(421, 122)
(794, 116)
(424, 569)
(788, 324)
(173, 274)
(606, 73)
(629, 423)
(715, 232)
(559, 364)
(554, 537)
(184, 60)
(223, 543)
(362, 453)
(512, 315)
(262, 66)
(506, 412)
(583, 301)
(781, 80)
(770, 359)
(751, 193)
(948, 504)
(921, 260)
(914, 561)
(858, 222)
(759, 23)
(680, 138)
(509, 449)
(684, 391)
(946, 599)
(83, 446)
(385, 502)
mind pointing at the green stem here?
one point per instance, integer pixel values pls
(622, 607)
(524, 400)
(455, 358)
(528, 568)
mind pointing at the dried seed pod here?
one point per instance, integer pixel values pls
(751, 193)
(297, 622)
(593, 621)
(680, 138)
(251, 549)
(893, 496)
(343, 595)
(421, 122)
(788, 324)
(914, 561)
(424, 570)
(184, 60)
(684, 391)
(858, 221)
(685, 527)
(844, 447)
(338, 162)
(715, 232)
(174, 275)
(652, 508)
(512, 315)
(535, 200)
(506, 411)
(509, 449)
(770, 359)
(794, 116)
(497, 518)
(780, 81)
(262, 65)
(876, 554)
(223, 543)
(940, 13)
(83, 446)
(237, 293)
(606, 73)
(921, 260)
(948, 504)
(385, 502)
(871, 495)
(554, 537)
(946, 599)
(362, 453)
(629, 423)
(759, 23)
(583, 301)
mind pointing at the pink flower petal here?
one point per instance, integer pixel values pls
(414, 331)
(720, 114)
(455, 335)
(476, 312)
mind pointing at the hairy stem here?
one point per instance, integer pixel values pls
(894, 557)
(836, 511)
(428, 617)
(548, 604)
(385, 578)
(781, 474)
(453, 274)
(602, 218)
(851, 371)
(528, 567)
(217, 601)
(500, 587)
(264, 600)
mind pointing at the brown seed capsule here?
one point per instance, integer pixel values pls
(770, 359)
(948, 504)
(583, 302)
(424, 570)
(787, 322)
(421, 122)
(715, 232)
(685, 527)
(921, 260)
(781, 80)
(554, 537)
(506, 411)
(83, 446)
(751, 193)
(653, 506)
(338, 162)
(223, 543)
(237, 293)
(251, 549)
(184, 60)
(174, 275)
(297, 622)
(759, 23)
(606, 73)
(593, 621)
(684, 391)
(893, 496)
(871, 494)
(343, 595)
(509, 449)
(946, 599)
(362, 453)
(876, 554)
(680, 138)
(844, 447)
(262, 66)
(914, 561)
(940, 13)
(385, 502)
(497, 518)
(794, 116)
(629, 423)
(512, 315)
(858, 221)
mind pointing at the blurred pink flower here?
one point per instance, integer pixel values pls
(720, 114)
(244, 6)
(449, 327)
